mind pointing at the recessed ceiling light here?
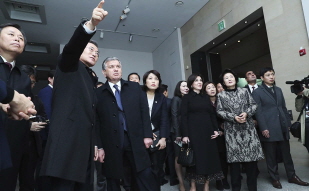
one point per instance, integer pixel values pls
(213, 43)
(224, 44)
(217, 52)
(155, 30)
(179, 3)
(246, 22)
(259, 25)
(238, 41)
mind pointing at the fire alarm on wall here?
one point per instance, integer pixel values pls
(302, 51)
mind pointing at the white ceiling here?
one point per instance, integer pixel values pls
(145, 15)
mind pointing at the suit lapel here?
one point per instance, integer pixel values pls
(155, 105)
(107, 87)
(276, 90)
(266, 92)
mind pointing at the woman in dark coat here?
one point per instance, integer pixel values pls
(210, 89)
(180, 90)
(199, 128)
(159, 121)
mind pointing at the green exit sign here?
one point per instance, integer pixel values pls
(221, 25)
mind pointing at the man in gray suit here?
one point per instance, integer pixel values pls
(274, 124)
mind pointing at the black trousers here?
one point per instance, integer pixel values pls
(170, 158)
(24, 165)
(250, 172)
(101, 179)
(157, 161)
(59, 184)
(145, 179)
(270, 149)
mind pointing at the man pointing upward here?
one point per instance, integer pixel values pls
(68, 158)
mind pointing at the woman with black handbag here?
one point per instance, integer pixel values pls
(199, 128)
(159, 122)
(181, 89)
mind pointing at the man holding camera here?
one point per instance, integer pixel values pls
(300, 100)
(274, 123)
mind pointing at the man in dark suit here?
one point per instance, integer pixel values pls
(251, 80)
(16, 103)
(12, 43)
(31, 158)
(45, 95)
(68, 157)
(274, 123)
(125, 130)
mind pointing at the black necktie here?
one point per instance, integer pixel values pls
(253, 88)
(8, 64)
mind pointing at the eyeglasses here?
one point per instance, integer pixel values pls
(33, 82)
(91, 49)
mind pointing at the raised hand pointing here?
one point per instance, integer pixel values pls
(98, 15)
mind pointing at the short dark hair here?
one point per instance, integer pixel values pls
(206, 84)
(163, 88)
(51, 74)
(156, 73)
(134, 73)
(266, 69)
(191, 79)
(2, 26)
(177, 91)
(247, 72)
(29, 70)
(94, 43)
(221, 80)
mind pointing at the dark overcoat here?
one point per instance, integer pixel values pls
(5, 154)
(69, 148)
(272, 114)
(17, 132)
(136, 112)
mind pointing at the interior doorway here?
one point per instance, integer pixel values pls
(241, 48)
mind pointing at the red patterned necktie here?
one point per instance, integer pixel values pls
(8, 64)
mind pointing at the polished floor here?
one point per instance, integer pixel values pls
(301, 162)
(300, 157)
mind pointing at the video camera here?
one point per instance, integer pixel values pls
(298, 85)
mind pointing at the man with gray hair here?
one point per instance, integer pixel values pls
(125, 130)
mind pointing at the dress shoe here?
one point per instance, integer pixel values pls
(174, 182)
(219, 185)
(164, 181)
(297, 180)
(276, 184)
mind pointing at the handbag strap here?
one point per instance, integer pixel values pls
(301, 112)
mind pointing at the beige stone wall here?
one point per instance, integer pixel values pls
(285, 27)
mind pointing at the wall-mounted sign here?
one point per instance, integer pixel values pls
(221, 25)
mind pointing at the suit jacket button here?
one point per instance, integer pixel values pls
(92, 124)
(114, 115)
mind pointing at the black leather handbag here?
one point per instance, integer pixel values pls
(185, 157)
(295, 128)
(153, 147)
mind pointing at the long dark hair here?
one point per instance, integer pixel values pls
(156, 73)
(177, 91)
(191, 79)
